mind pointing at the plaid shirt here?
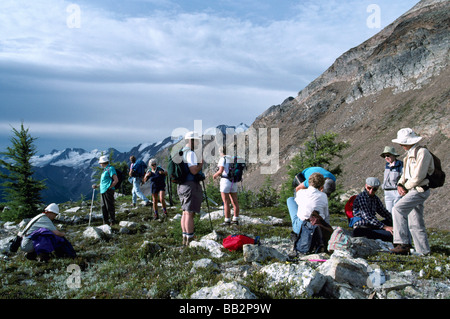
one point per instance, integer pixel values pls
(366, 207)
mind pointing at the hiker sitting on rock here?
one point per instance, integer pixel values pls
(308, 200)
(365, 208)
(41, 237)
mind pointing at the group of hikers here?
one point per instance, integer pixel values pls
(405, 185)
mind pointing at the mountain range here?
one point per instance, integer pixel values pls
(69, 173)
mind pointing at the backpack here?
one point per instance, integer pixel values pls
(120, 177)
(176, 169)
(310, 240)
(437, 179)
(349, 211)
(339, 240)
(235, 242)
(235, 169)
(138, 169)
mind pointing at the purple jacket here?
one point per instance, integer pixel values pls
(44, 241)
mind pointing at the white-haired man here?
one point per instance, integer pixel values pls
(413, 186)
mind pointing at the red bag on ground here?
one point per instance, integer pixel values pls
(235, 242)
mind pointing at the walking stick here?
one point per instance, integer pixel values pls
(92, 203)
(207, 204)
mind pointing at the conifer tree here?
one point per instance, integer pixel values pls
(317, 151)
(22, 191)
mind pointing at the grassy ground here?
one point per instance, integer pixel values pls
(120, 268)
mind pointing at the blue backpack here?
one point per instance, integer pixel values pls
(139, 169)
(310, 240)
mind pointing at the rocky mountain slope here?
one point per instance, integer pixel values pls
(398, 78)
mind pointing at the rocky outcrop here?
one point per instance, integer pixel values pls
(398, 78)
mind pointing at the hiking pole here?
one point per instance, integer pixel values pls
(92, 203)
(207, 204)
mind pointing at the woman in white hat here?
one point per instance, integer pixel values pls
(392, 172)
(108, 180)
(407, 213)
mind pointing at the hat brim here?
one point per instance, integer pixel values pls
(409, 141)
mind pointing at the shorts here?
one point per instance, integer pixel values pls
(191, 196)
(227, 186)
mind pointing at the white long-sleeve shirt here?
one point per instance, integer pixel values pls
(311, 199)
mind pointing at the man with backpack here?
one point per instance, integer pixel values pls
(414, 188)
(108, 181)
(136, 173)
(189, 190)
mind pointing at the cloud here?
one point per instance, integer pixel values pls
(131, 73)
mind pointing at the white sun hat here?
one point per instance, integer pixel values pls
(191, 136)
(103, 159)
(53, 208)
(406, 136)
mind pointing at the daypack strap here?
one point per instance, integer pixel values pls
(30, 223)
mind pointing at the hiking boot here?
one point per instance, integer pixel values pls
(226, 223)
(155, 216)
(235, 222)
(401, 249)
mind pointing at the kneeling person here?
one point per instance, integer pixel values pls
(41, 237)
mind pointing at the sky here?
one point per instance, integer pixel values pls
(95, 74)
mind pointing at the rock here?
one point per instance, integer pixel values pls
(214, 247)
(72, 210)
(301, 277)
(127, 224)
(364, 247)
(93, 233)
(203, 263)
(222, 290)
(343, 268)
(260, 253)
(106, 230)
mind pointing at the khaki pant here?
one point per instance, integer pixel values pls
(407, 213)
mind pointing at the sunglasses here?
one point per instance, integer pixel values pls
(372, 188)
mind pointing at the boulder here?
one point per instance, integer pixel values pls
(343, 268)
(222, 290)
(214, 247)
(301, 277)
(260, 253)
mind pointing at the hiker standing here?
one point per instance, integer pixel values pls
(190, 191)
(392, 172)
(414, 188)
(228, 189)
(108, 180)
(365, 207)
(157, 177)
(136, 180)
(41, 238)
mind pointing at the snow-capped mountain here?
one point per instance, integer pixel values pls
(69, 173)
